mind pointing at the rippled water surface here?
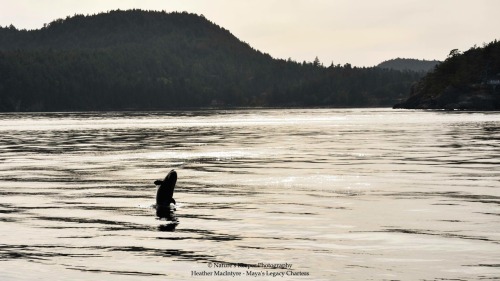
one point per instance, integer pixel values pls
(337, 194)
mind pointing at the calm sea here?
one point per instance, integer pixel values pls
(312, 194)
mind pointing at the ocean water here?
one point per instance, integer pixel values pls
(302, 194)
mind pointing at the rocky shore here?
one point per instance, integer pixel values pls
(475, 97)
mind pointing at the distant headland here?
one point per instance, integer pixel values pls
(464, 81)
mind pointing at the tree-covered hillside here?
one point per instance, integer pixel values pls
(155, 60)
(409, 64)
(468, 80)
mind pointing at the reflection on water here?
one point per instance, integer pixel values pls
(340, 194)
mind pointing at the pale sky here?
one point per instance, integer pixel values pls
(360, 32)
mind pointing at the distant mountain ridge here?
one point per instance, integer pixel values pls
(148, 60)
(403, 64)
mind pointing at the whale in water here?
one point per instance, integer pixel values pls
(164, 195)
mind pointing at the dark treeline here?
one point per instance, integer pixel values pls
(156, 60)
(468, 80)
(409, 64)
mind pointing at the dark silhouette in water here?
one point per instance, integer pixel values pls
(169, 227)
(164, 197)
(166, 190)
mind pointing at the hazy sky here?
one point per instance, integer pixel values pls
(360, 32)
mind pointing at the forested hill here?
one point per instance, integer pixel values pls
(121, 29)
(467, 81)
(148, 60)
(409, 64)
